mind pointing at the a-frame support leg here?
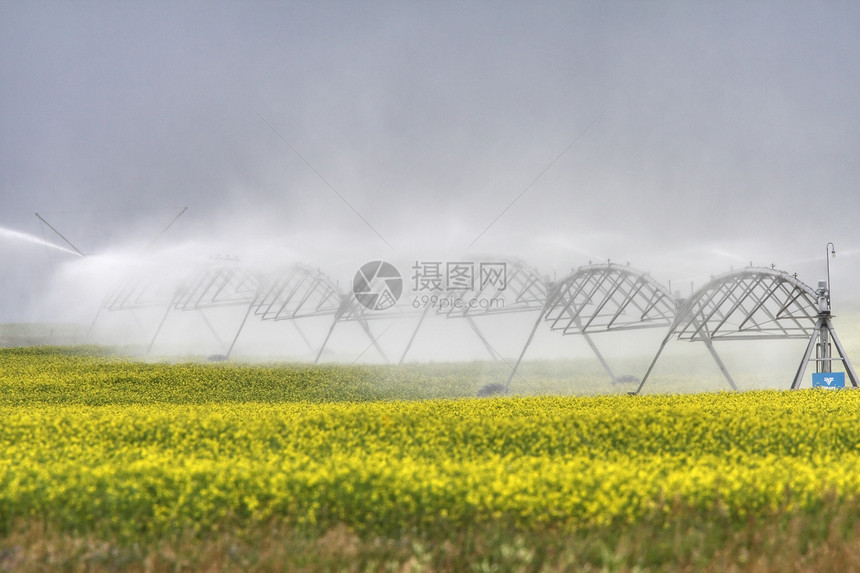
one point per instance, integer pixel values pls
(525, 347)
(210, 327)
(720, 363)
(414, 333)
(490, 349)
(158, 330)
(600, 357)
(302, 334)
(373, 339)
(241, 326)
(711, 349)
(594, 349)
(89, 334)
(325, 342)
(824, 324)
(346, 305)
(849, 368)
(653, 361)
(552, 297)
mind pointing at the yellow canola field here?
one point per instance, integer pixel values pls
(393, 466)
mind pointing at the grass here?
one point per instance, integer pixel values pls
(782, 544)
(826, 538)
(36, 334)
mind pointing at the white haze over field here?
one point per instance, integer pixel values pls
(685, 138)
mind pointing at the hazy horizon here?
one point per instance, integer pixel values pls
(685, 139)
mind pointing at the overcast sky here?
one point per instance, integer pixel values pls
(675, 135)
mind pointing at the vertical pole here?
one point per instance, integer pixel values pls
(809, 347)
(828, 282)
(824, 364)
(823, 292)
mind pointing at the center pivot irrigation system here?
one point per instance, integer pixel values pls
(749, 304)
(293, 293)
(754, 303)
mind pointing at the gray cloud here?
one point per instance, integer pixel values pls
(721, 126)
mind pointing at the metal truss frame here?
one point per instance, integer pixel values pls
(756, 303)
(139, 294)
(219, 285)
(303, 292)
(349, 309)
(609, 297)
(603, 298)
(300, 292)
(225, 284)
(297, 292)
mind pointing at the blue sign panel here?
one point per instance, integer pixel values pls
(828, 380)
